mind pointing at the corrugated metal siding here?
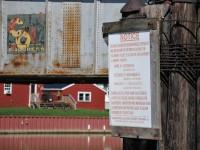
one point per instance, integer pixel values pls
(53, 124)
(68, 41)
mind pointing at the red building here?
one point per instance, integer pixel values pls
(18, 95)
(90, 96)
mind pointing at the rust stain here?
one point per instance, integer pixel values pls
(41, 57)
(71, 36)
(103, 71)
(20, 60)
(6, 73)
(56, 64)
(59, 72)
(70, 71)
(33, 54)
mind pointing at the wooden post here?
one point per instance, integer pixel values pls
(181, 121)
(139, 144)
(198, 83)
(198, 114)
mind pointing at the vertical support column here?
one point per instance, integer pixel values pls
(47, 34)
(97, 29)
(198, 81)
(3, 32)
(164, 83)
(181, 130)
(198, 114)
(1, 43)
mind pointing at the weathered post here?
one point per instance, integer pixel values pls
(181, 121)
(198, 82)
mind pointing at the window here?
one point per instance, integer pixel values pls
(7, 88)
(84, 96)
(32, 88)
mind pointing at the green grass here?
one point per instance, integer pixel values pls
(52, 112)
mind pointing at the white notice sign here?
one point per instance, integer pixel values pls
(129, 79)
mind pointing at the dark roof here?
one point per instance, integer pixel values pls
(55, 86)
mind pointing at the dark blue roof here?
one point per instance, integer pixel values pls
(55, 86)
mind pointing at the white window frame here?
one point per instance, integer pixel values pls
(84, 96)
(7, 88)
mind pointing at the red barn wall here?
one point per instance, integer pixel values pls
(18, 98)
(97, 96)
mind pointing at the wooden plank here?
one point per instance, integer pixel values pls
(130, 25)
(155, 79)
(133, 132)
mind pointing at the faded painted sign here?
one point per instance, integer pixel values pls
(129, 79)
(25, 33)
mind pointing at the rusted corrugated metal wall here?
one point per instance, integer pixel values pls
(55, 38)
(53, 124)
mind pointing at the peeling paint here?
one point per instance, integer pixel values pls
(20, 60)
